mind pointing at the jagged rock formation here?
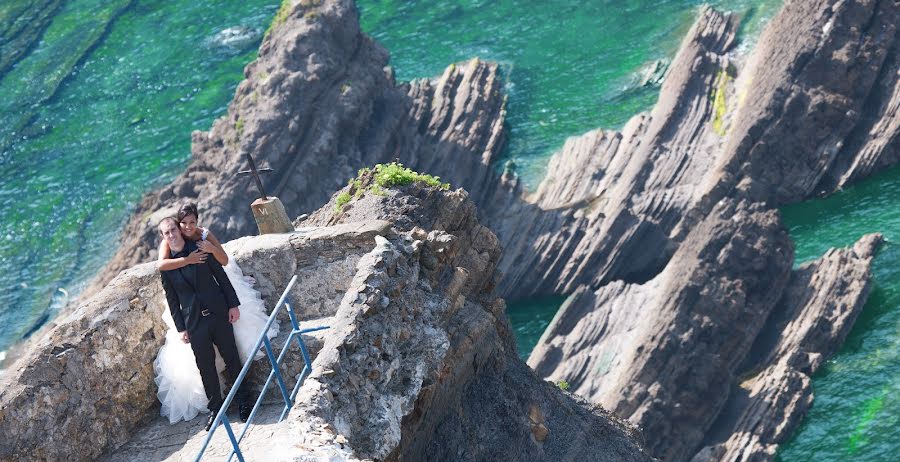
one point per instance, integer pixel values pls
(815, 101)
(813, 108)
(318, 104)
(422, 363)
(773, 130)
(663, 354)
(777, 129)
(813, 318)
(419, 363)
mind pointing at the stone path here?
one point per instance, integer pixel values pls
(161, 441)
(158, 440)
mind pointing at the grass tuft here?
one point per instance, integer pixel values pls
(395, 174)
(342, 200)
(375, 180)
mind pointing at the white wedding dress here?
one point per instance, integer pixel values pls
(180, 388)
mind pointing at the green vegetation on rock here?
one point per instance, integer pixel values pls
(720, 106)
(382, 176)
(395, 174)
(281, 16)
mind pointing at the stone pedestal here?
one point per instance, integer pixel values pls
(270, 216)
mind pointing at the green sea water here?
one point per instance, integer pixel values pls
(97, 113)
(100, 109)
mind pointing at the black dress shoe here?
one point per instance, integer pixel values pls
(210, 420)
(245, 409)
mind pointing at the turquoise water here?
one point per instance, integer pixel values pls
(856, 411)
(570, 66)
(97, 113)
(100, 110)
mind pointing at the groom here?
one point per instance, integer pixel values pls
(203, 305)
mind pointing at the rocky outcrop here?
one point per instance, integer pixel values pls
(94, 369)
(673, 355)
(663, 354)
(318, 104)
(419, 362)
(812, 108)
(768, 131)
(818, 308)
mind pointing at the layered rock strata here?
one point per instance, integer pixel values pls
(777, 128)
(811, 109)
(813, 318)
(319, 103)
(663, 353)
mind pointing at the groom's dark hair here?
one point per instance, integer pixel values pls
(172, 219)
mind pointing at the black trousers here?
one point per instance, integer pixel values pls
(216, 330)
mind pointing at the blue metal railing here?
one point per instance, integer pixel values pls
(263, 340)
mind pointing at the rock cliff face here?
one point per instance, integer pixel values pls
(663, 354)
(419, 362)
(318, 104)
(812, 108)
(637, 216)
(778, 128)
(445, 382)
(812, 319)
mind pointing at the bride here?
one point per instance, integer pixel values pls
(180, 388)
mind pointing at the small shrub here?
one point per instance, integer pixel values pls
(562, 385)
(342, 200)
(376, 190)
(395, 174)
(239, 127)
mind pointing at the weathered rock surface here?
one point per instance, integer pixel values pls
(818, 308)
(772, 130)
(668, 354)
(318, 104)
(812, 108)
(94, 369)
(663, 354)
(419, 362)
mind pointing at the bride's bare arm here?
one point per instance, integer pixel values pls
(163, 263)
(213, 246)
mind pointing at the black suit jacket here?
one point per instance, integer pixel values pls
(194, 288)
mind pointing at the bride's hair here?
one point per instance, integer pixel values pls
(187, 209)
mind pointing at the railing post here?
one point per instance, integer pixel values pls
(263, 341)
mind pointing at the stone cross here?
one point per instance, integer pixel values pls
(255, 173)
